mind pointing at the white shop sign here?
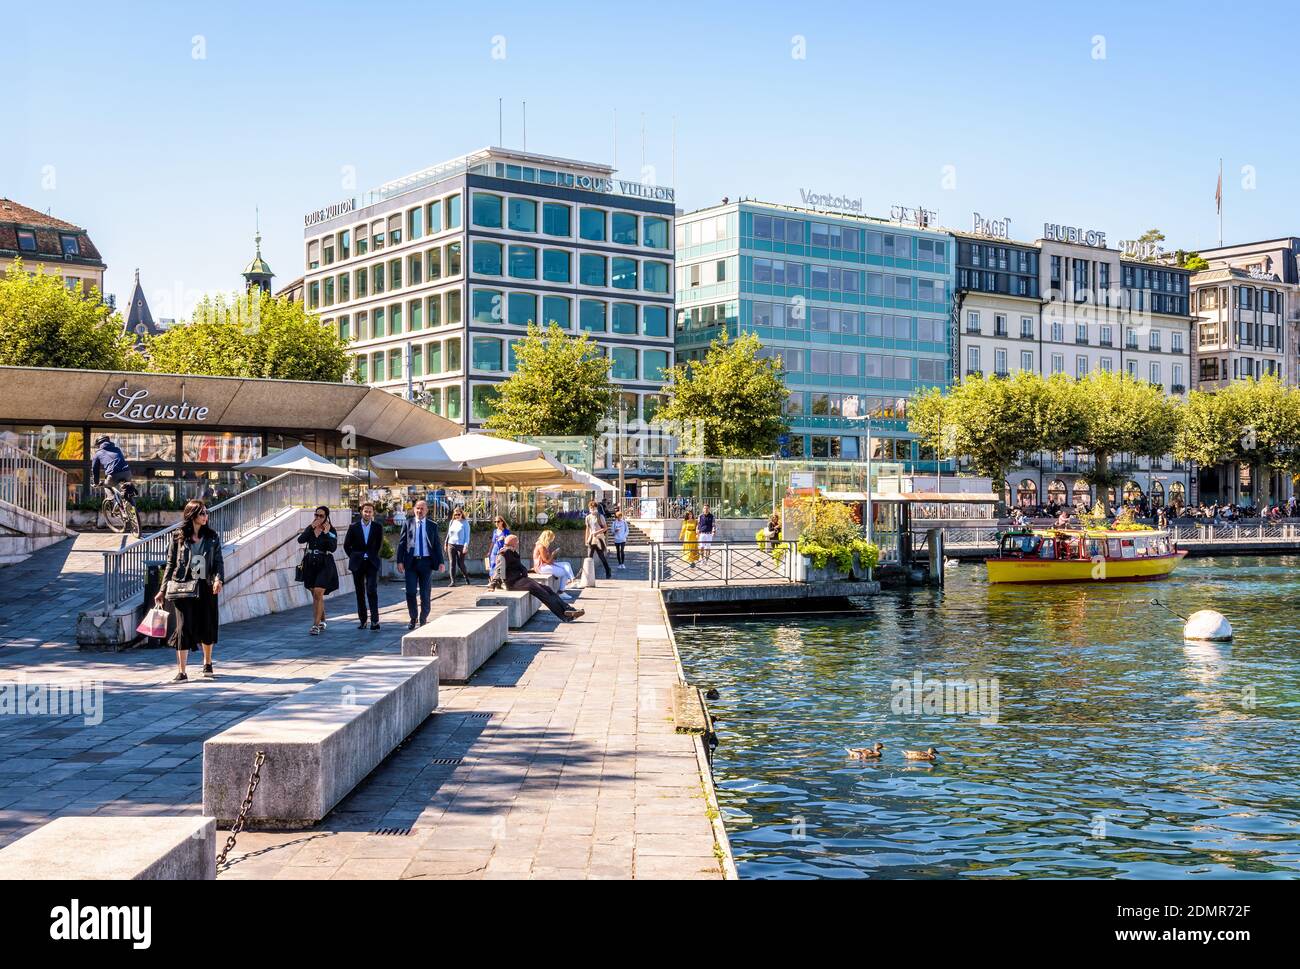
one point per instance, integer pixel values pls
(129, 406)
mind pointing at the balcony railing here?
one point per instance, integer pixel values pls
(124, 568)
(33, 485)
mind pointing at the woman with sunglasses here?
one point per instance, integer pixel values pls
(319, 572)
(457, 543)
(195, 571)
(499, 533)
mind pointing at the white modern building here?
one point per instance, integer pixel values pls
(432, 277)
(1069, 303)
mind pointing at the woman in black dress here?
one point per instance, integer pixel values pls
(319, 573)
(194, 554)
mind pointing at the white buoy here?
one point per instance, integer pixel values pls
(1207, 626)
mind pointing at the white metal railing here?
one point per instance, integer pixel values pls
(33, 485)
(124, 568)
(725, 563)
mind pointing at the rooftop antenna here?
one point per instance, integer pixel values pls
(616, 139)
(525, 126)
(643, 141)
(674, 186)
(500, 136)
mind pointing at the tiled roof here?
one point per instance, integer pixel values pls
(14, 216)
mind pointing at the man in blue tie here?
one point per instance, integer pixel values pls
(419, 555)
(361, 545)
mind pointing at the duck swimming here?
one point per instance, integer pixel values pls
(928, 754)
(866, 753)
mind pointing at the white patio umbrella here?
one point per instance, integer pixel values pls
(580, 480)
(296, 458)
(470, 459)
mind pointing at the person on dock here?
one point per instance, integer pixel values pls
(500, 531)
(191, 582)
(419, 555)
(618, 532)
(545, 562)
(704, 528)
(511, 572)
(596, 536)
(457, 545)
(361, 545)
(319, 572)
(689, 539)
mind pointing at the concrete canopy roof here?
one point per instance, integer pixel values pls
(51, 395)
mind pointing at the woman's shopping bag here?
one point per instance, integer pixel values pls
(154, 624)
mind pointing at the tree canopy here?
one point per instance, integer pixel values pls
(1121, 414)
(730, 404)
(44, 324)
(253, 335)
(560, 386)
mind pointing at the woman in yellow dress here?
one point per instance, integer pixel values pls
(690, 540)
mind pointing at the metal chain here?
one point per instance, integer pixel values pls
(254, 779)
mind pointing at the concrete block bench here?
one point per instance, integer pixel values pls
(462, 639)
(319, 743)
(521, 606)
(116, 849)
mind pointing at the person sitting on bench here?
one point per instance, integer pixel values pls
(511, 573)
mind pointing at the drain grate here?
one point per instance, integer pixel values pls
(393, 831)
(446, 761)
(478, 716)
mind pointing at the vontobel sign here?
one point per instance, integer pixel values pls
(129, 406)
(1069, 233)
(330, 212)
(842, 202)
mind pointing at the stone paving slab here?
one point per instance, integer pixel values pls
(557, 760)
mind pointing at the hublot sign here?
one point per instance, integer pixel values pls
(1069, 233)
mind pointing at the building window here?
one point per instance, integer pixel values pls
(624, 363)
(591, 269)
(623, 318)
(654, 276)
(972, 360)
(654, 232)
(972, 322)
(484, 401)
(1155, 373)
(623, 273)
(653, 364)
(69, 245)
(453, 222)
(521, 309)
(1080, 366)
(591, 224)
(522, 215)
(591, 316)
(27, 240)
(555, 309)
(556, 266)
(394, 364)
(654, 320)
(487, 258)
(1058, 363)
(1000, 362)
(523, 262)
(415, 223)
(555, 219)
(999, 324)
(623, 228)
(1027, 361)
(487, 306)
(486, 354)
(486, 210)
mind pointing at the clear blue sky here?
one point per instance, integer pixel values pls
(164, 156)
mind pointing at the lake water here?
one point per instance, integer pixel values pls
(1110, 748)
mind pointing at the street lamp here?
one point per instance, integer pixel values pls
(870, 516)
(622, 429)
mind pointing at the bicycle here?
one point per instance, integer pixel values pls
(119, 512)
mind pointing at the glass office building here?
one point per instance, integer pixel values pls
(857, 309)
(434, 277)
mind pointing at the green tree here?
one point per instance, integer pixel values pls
(730, 404)
(44, 324)
(1211, 429)
(1190, 260)
(1152, 235)
(255, 335)
(1270, 438)
(560, 386)
(990, 420)
(1122, 414)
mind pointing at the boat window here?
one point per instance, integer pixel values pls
(1112, 547)
(1126, 549)
(1094, 548)
(1048, 550)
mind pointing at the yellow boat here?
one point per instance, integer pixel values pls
(1083, 555)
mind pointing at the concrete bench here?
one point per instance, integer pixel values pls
(319, 743)
(462, 639)
(520, 606)
(115, 849)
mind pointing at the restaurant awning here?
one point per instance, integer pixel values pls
(580, 480)
(470, 459)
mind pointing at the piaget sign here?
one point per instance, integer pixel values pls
(130, 406)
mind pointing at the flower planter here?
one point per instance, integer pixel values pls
(831, 573)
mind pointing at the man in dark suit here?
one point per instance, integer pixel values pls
(361, 545)
(419, 555)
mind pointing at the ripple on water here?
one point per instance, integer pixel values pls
(1118, 750)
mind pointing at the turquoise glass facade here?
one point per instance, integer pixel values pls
(858, 310)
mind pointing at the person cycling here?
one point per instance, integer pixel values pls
(110, 460)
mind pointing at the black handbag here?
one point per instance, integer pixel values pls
(187, 588)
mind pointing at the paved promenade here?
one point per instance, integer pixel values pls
(558, 760)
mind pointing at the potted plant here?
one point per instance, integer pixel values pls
(831, 543)
(387, 567)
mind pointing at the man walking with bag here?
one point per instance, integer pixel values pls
(361, 545)
(419, 555)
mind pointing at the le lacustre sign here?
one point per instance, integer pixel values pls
(131, 407)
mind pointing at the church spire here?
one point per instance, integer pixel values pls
(258, 273)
